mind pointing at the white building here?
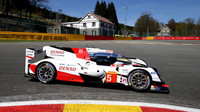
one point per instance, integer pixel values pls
(92, 24)
(164, 31)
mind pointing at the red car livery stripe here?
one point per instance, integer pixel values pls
(32, 67)
(81, 53)
(68, 77)
(29, 57)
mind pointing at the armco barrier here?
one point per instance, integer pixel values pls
(177, 38)
(149, 38)
(123, 38)
(136, 38)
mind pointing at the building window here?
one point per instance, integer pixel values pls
(93, 32)
(93, 24)
(89, 16)
(102, 24)
(50, 31)
(84, 32)
(84, 24)
(56, 30)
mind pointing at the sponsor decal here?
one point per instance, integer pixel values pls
(111, 77)
(109, 51)
(125, 70)
(153, 72)
(29, 55)
(29, 51)
(67, 68)
(61, 64)
(57, 52)
(71, 65)
(124, 80)
(80, 50)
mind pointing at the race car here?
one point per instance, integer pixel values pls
(87, 65)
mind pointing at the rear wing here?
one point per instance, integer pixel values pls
(30, 54)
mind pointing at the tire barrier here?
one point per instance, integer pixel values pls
(39, 36)
(73, 37)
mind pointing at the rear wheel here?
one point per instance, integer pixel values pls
(46, 72)
(139, 80)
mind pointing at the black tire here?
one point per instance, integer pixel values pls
(46, 72)
(139, 80)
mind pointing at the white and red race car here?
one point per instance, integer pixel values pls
(92, 65)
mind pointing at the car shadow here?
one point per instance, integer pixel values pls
(96, 85)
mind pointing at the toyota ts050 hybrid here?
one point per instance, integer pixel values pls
(92, 65)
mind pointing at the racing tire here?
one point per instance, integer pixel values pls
(139, 80)
(46, 72)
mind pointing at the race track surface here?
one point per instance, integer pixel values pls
(178, 61)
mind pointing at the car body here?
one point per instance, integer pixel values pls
(87, 65)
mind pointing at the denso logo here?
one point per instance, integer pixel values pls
(67, 68)
(57, 52)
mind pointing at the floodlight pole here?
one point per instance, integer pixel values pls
(125, 20)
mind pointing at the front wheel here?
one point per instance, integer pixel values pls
(139, 80)
(46, 72)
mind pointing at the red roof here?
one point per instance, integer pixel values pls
(102, 18)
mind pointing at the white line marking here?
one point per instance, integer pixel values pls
(99, 102)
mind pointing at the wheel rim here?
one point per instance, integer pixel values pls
(139, 81)
(45, 73)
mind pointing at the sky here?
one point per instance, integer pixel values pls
(161, 10)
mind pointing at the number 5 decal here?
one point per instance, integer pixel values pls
(111, 77)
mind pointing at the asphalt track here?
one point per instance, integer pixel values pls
(178, 61)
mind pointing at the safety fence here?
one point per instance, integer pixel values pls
(69, 37)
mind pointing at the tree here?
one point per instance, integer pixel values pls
(172, 24)
(146, 23)
(108, 12)
(20, 6)
(103, 9)
(112, 16)
(180, 29)
(33, 4)
(189, 25)
(97, 9)
(7, 5)
(198, 25)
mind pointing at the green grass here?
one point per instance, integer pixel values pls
(30, 40)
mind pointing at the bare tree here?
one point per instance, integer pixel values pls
(172, 24)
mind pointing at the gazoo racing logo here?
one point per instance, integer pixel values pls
(67, 68)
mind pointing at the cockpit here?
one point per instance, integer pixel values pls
(108, 59)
